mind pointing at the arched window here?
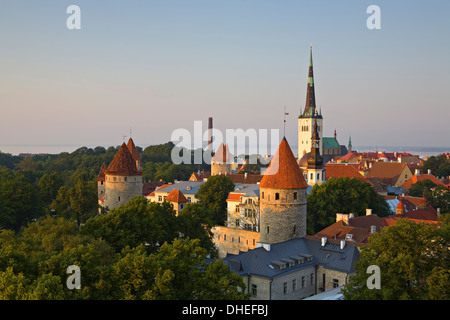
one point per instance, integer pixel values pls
(277, 196)
(295, 195)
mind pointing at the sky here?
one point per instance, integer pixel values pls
(155, 66)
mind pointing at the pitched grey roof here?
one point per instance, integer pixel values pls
(265, 263)
(186, 187)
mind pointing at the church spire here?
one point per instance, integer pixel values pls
(310, 106)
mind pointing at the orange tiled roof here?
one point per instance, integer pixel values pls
(407, 185)
(283, 171)
(343, 170)
(386, 169)
(176, 196)
(235, 197)
(123, 164)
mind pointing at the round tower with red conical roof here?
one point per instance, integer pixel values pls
(123, 179)
(282, 198)
(221, 162)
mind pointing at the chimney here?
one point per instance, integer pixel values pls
(438, 212)
(264, 245)
(245, 175)
(210, 127)
(324, 241)
(429, 171)
(368, 212)
(417, 172)
(373, 229)
(342, 216)
(351, 216)
(342, 244)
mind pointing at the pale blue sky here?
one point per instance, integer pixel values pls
(155, 66)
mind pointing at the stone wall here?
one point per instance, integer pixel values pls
(282, 214)
(120, 189)
(230, 240)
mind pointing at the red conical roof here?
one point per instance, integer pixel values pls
(283, 171)
(123, 164)
(101, 175)
(222, 154)
(134, 152)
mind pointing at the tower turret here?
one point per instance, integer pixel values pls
(282, 198)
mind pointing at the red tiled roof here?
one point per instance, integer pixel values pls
(101, 175)
(123, 164)
(135, 153)
(176, 196)
(222, 154)
(195, 176)
(283, 171)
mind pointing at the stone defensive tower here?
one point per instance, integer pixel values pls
(221, 162)
(282, 198)
(123, 179)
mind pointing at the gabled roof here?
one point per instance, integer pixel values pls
(176, 196)
(123, 164)
(330, 143)
(283, 171)
(199, 176)
(389, 172)
(344, 170)
(415, 178)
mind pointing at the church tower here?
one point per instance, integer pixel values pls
(315, 169)
(123, 179)
(309, 115)
(282, 198)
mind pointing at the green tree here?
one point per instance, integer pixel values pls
(418, 189)
(439, 198)
(413, 260)
(20, 203)
(213, 194)
(49, 185)
(84, 200)
(341, 195)
(195, 222)
(134, 223)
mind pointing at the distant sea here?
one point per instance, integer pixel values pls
(56, 149)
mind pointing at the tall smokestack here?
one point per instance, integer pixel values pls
(210, 126)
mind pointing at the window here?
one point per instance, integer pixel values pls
(236, 222)
(262, 195)
(294, 284)
(294, 229)
(285, 288)
(277, 196)
(224, 237)
(303, 281)
(254, 290)
(312, 278)
(312, 175)
(237, 209)
(267, 229)
(125, 178)
(335, 283)
(318, 176)
(250, 201)
(118, 198)
(160, 198)
(181, 206)
(295, 195)
(189, 199)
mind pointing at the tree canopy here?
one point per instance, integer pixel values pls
(341, 195)
(413, 261)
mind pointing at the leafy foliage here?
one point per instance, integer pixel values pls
(341, 195)
(414, 263)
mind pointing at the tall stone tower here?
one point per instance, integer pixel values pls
(123, 179)
(101, 180)
(282, 198)
(309, 115)
(221, 162)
